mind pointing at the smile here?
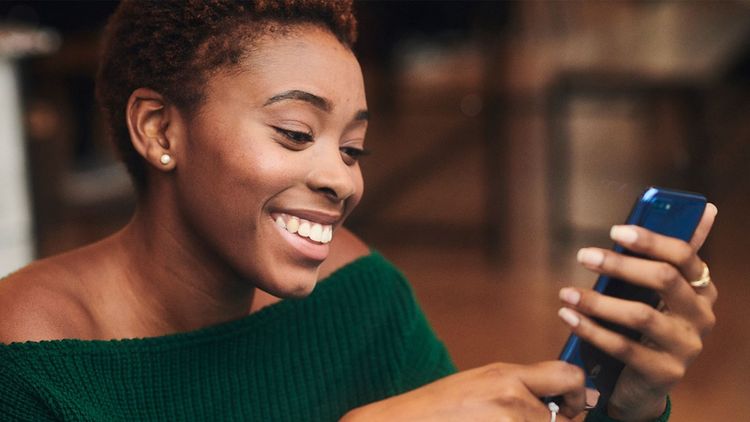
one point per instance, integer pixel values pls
(317, 232)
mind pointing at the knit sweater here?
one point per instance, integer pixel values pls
(358, 338)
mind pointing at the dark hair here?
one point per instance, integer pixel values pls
(172, 46)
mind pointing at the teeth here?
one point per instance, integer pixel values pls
(292, 225)
(316, 232)
(304, 228)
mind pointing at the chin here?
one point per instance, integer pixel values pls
(302, 291)
(293, 284)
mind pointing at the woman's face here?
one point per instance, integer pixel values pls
(269, 168)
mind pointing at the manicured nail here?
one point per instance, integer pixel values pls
(623, 234)
(592, 257)
(569, 317)
(713, 208)
(571, 296)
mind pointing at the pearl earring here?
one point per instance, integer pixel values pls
(165, 159)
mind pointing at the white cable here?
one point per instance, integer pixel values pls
(553, 409)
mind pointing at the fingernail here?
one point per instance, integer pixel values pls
(713, 208)
(570, 296)
(623, 234)
(592, 257)
(569, 317)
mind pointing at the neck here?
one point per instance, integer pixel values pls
(172, 280)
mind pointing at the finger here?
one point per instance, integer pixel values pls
(657, 367)
(637, 316)
(704, 227)
(664, 278)
(709, 293)
(557, 378)
(658, 247)
(697, 241)
(669, 333)
(592, 396)
(563, 412)
(544, 411)
(530, 382)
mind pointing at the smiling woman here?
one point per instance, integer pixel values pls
(242, 123)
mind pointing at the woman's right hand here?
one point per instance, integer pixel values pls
(496, 392)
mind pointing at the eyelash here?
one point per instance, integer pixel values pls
(295, 136)
(355, 153)
(303, 138)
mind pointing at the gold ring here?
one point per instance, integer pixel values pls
(705, 279)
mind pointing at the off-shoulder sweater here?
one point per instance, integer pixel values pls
(358, 338)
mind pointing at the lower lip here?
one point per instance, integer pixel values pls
(307, 249)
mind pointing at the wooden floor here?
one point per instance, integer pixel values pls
(509, 314)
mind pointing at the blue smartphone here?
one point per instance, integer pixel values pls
(668, 212)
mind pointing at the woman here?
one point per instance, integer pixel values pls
(241, 124)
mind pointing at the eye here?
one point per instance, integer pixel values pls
(294, 136)
(352, 154)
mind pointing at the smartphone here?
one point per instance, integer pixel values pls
(664, 211)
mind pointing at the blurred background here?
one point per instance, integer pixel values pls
(506, 135)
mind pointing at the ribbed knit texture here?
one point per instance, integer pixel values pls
(358, 338)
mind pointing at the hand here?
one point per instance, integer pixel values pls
(490, 393)
(672, 338)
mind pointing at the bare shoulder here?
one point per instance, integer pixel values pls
(37, 304)
(345, 248)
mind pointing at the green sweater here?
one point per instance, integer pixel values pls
(358, 338)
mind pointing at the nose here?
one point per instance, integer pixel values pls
(332, 177)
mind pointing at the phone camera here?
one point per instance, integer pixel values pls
(662, 205)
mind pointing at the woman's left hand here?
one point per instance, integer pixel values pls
(673, 337)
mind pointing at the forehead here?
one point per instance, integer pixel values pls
(305, 58)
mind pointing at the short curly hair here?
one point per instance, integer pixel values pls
(173, 46)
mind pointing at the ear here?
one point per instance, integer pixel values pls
(148, 117)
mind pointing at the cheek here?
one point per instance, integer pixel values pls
(253, 166)
(261, 174)
(225, 184)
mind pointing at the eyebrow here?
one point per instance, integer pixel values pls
(295, 94)
(316, 101)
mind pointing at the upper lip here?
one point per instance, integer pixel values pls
(316, 216)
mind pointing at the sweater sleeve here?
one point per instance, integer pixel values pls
(425, 358)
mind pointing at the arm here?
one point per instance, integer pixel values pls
(494, 392)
